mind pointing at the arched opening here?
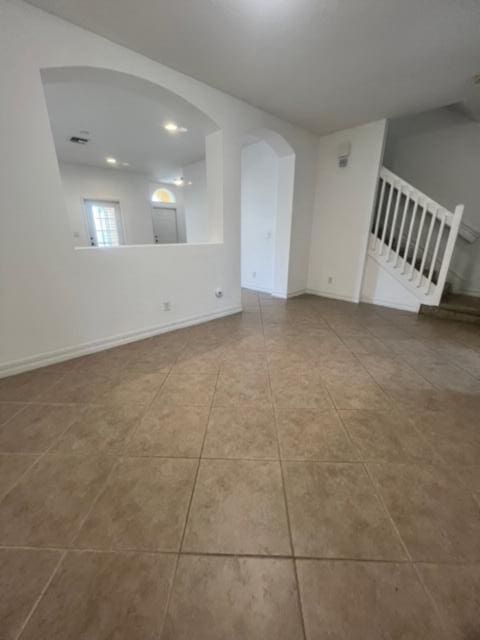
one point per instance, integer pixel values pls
(136, 160)
(163, 196)
(267, 183)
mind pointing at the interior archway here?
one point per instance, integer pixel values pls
(267, 184)
(135, 157)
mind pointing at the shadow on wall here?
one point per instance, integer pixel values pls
(267, 184)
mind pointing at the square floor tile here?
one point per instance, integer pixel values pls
(437, 518)
(241, 432)
(12, 467)
(293, 388)
(387, 436)
(170, 431)
(456, 591)
(220, 598)
(101, 596)
(309, 434)
(335, 513)
(470, 477)
(242, 388)
(24, 573)
(8, 410)
(100, 429)
(143, 506)
(48, 504)
(359, 396)
(28, 386)
(77, 387)
(134, 387)
(188, 390)
(238, 507)
(454, 434)
(202, 359)
(365, 600)
(37, 427)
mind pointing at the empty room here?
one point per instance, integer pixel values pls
(240, 320)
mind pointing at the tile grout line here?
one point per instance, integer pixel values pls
(222, 554)
(115, 465)
(40, 597)
(187, 515)
(411, 561)
(284, 491)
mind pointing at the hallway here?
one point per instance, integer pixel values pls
(309, 468)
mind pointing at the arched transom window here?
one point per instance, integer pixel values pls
(164, 196)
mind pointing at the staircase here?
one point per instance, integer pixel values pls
(456, 307)
(413, 237)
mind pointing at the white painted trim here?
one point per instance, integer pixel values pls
(252, 287)
(60, 355)
(297, 292)
(334, 296)
(382, 302)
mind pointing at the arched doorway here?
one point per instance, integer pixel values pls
(267, 183)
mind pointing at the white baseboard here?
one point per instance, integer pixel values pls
(253, 287)
(297, 292)
(381, 302)
(330, 294)
(67, 353)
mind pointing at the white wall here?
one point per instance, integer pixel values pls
(343, 210)
(259, 191)
(380, 287)
(132, 190)
(196, 202)
(57, 300)
(439, 153)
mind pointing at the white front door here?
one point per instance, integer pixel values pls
(165, 230)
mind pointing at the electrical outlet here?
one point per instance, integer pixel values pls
(166, 306)
(330, 279)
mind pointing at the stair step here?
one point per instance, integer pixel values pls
(455, 307)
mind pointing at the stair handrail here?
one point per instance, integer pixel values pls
(432, 205)
(423, 287)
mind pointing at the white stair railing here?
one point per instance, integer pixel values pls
(413, 236)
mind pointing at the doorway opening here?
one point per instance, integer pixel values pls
(267, 184)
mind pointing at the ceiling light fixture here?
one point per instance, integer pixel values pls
(172, 127)
(178, 182)
(125, 164)
(111, 160)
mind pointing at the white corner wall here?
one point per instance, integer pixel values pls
(259, 192)
(343, 209)
(196, 202)
(57, 301)
(132, 190)
(380, 287)
(439, 153)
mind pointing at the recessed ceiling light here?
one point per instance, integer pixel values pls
(171, 126)
(125, 164)
(111, 160)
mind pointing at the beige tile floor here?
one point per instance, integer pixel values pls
(306, 469)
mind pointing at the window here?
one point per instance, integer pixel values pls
(164, 196)
(104, 223)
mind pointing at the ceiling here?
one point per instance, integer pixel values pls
(324, 64)
(125, 118)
